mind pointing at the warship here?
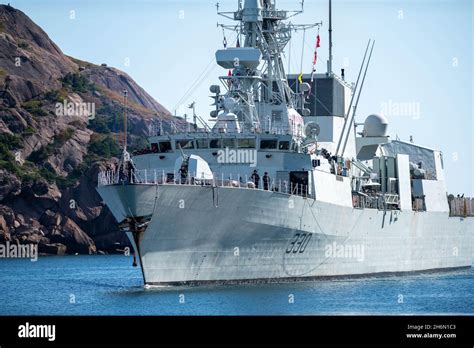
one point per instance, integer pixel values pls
(285, 185)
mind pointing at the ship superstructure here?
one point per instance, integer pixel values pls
(285, 185)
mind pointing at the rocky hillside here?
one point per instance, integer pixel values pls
(60, 124)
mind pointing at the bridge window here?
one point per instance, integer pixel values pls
(202, 143)
(230, 143)
(284, 145)
(246, 143)
(154, 147)
(269, 144)
(165, 146)
(185, 144)
(215, 144)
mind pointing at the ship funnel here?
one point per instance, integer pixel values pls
(252, 11)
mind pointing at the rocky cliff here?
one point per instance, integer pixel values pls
(60, 124)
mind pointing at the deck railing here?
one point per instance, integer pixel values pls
(156, 177)
(458, 206)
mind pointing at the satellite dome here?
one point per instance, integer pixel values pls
(375, 126)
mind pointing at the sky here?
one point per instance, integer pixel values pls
(421, 73)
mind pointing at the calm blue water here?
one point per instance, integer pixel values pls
(108, 285)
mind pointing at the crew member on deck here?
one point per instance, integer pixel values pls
(255, 178)
(184, 173)
(266, 181)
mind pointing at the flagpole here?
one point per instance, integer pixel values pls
(125, 120)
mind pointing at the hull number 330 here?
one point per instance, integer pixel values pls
(298, 243)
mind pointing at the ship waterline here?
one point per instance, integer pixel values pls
(253, 235)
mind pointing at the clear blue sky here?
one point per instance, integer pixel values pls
(422, 58)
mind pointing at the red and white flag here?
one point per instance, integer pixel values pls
(315, 59)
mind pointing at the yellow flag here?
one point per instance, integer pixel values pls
(300, 78)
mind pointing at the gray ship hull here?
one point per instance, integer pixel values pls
(198, 234)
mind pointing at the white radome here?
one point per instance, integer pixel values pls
(375, 125)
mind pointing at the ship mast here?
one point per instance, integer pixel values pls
(330, 40)
(258, 81)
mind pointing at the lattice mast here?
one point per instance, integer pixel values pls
(259, 88)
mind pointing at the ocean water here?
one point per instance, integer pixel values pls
(109, 285)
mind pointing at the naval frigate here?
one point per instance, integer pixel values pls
(285, 185)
